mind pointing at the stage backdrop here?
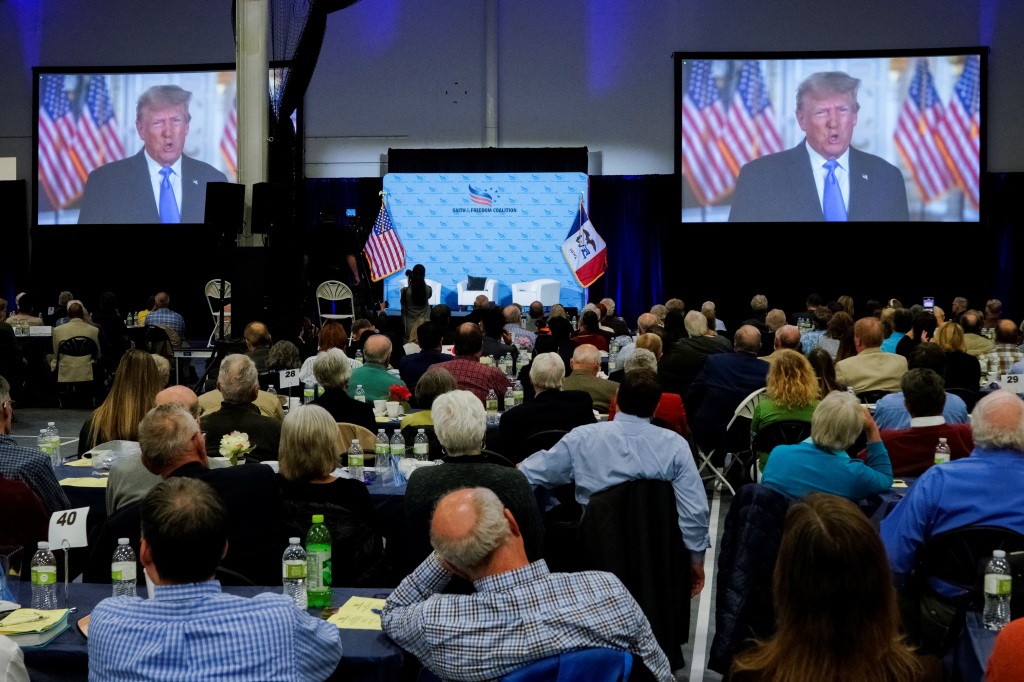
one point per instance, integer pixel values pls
(506, 226)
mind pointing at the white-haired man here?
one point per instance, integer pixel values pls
(552, 408)
(373, 376)
(616, 323)
(586, 363)
(332, 370)
(238, 382)
(684, 359)
(520, 612)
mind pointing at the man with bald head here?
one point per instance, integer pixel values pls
(871, 369)
(586, 363)
(257, 344)
(129, 480)
(982, 489)
(374, 376)
(501, 626)
(469, 373)
(644, 324)
(165, 317)
(786, 337)
(517, 335)
(724, 381)
(1004, 354)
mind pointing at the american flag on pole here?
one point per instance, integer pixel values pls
(384, 249)
(704, 165)
(97, 142)
(58, 169)
(960, 139)
(916, 130)
(751, 130)
(584, 250)
(229, 140)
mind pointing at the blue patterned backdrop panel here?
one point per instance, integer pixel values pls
(506, 226)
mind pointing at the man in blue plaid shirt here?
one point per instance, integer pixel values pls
(520, 611)
(189, 630)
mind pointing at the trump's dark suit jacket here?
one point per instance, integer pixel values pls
(780, 188)
(121, 192)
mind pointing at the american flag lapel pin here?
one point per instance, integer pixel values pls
(196, 182)
(865, 176)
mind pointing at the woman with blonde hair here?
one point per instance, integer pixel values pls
(835, 604)
(792, 394)
(136, 383)
(962, 369)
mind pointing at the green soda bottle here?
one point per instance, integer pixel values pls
(318, 563)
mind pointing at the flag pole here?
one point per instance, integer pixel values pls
(586, 289)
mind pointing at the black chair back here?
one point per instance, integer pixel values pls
(871, 397)
(542, 440)
(969, 397)
(786, 432)
(77, 346)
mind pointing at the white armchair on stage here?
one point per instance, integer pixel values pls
(468, 296)
(435, 289)
(546, 291)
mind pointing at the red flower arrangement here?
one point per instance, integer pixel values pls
(399, 393)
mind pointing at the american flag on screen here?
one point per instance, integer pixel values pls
(384, 249)
(97, 142)
(60, 173)
(751, 130)
(916, 130)
(960, 138)
(704, 164)
(229, 141)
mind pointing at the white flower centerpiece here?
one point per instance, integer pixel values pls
(235, 445)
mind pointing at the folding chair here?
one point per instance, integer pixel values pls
(745, 410)
(335, 294)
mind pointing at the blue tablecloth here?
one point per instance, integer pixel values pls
(367, 654)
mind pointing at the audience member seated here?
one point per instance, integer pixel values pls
(836, 609)
(993, 313)
(599, 456)
(586, 363)
(441, 315)
(810, 339)
(131, 396)
(435, 381)
(976, 344)
(825, 371)
(129, 479)
(413, 366)
(921, 331)
(113, 333)
(332, 371)
(165, 317)
(373, 376)
(644, 323)
(333, 335)
(617, 324)
(902, 322)
(257, 344)
(963, 371)
(1005, 354)
(518, 335)
(74, 368)
(26, 312)
(774, 320)
(891, 412)
(496, 342)
(707, 309)
(500, 627)
(589, 332)
(670, 412)
(28, 465)
(684, 360)
(460, 424)
(871, 369)
(268, 404)
(820, 463)
(536, 322)
(724, 381)
(189, 627)
(792, 394)
(787, 337)
(838, 326)
(561, 332)
(57, 315)
(284, 355)
(812, 303)
(912, 448)
(469, 373)
(648, 341)
(759, 314)
(362, 329)
(238, 383)
(308, 457)
(173, 447)
(551, 409)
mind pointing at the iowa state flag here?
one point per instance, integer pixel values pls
(584, 250)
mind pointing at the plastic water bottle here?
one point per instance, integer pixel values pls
(613, 351)
(44, 578)
(506, 364)
(997, 591)
(45, 446)
(510, 398)
(574, 323)
(135, 319)
(382, 460)
(51, 431)
(308, 391)
(492, 407)
(293, 573)
(271, 390)
(517, 392)
(122, 569)
(941, 452)
(360, 394)
(421, 446)
(397, 445)
(355, 460)
(359, 356)
(318, 563)
(128, 320)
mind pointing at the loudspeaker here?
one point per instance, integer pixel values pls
(225, 207)
(272, 208)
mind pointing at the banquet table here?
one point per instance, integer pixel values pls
(368, 655)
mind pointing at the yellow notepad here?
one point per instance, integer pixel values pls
(86, 482)
(359, 613)
(21, 621)
(82, 462)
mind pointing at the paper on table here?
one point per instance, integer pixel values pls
(86, 482)
(899, 483)
(31, 620)
(83, 462)
(359, 613)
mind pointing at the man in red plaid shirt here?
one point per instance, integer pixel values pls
(469, 373)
